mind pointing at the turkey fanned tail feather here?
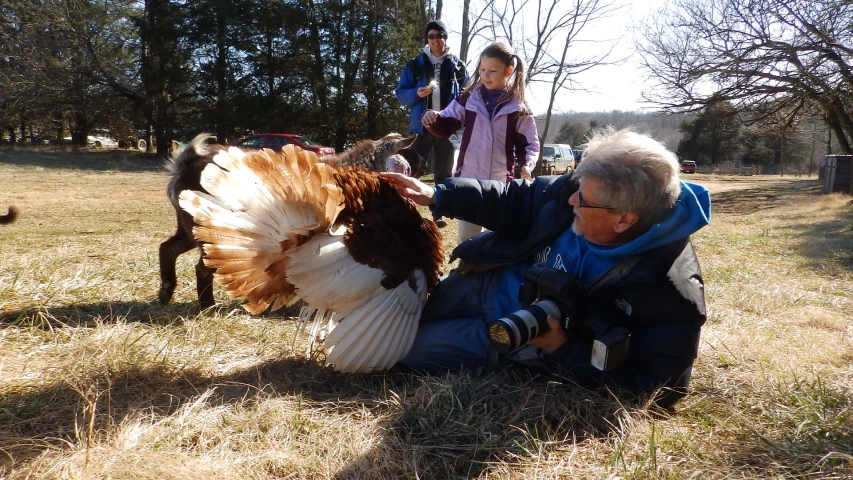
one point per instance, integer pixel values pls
(280, 227)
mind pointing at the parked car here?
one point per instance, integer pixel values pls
(275, 141)
(101, 138)
(578, 154)
(556, 159)
(568, 157)
(96, 139)
(102, 141)
(688, 166)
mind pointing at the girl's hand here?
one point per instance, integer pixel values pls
(412, 188)
(526, 173)
(430, 116)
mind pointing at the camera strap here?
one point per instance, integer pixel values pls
(465, 267)
(613, 274)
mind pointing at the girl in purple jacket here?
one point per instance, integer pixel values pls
(505, 143)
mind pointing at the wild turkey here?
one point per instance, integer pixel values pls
(280, 227)
(9, 217)
(184, 170)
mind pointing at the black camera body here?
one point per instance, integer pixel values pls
(562, 296)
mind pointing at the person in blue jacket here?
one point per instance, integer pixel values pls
(431, 81)
(621, 224)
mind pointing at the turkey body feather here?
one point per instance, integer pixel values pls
(281, 227)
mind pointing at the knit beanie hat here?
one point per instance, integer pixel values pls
(435, 25)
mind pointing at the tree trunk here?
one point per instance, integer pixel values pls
(834, 122)
(351, 64)
(370, 84)
(814, 144)
(271, 73)
(829, 140)
(318, 77)
(221, 74)
(466, 31)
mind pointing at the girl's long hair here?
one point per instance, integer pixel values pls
(515, 86)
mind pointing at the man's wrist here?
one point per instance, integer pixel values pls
(434, 199)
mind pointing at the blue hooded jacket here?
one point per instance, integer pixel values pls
(573, 254)
(658, 295)
(418, 73)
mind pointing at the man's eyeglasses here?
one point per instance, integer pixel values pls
(433, 36)
(583, 204)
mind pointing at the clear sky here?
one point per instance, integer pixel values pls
(602, 88)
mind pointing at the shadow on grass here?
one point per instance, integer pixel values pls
(826, 243)
(120, 160)
(797, 457)
(461, 424)
(751, 200)
(88, 315)
(33, 421)
(801, 429)
(436, 427)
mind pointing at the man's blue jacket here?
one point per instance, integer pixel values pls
(658, 294)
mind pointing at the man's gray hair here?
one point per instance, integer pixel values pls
(636, 172)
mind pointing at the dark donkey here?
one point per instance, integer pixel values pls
(184, 171)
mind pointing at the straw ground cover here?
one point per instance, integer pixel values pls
(98, 381)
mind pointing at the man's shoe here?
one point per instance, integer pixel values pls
(439, 220)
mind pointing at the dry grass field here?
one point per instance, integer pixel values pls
(98, 381)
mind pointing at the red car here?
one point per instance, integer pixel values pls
(688, 166)
(275, 141)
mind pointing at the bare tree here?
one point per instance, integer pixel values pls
(550, 50)
(473, 25)
(765, 56)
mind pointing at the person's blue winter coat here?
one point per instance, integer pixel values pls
(418, 73)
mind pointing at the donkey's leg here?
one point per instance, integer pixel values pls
(204, 282)
(180, 242)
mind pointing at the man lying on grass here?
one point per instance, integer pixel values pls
(608, 247)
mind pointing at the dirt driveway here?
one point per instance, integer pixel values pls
(724, 183)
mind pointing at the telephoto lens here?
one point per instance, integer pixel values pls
(519, 328)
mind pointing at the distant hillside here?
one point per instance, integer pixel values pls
(661, 127)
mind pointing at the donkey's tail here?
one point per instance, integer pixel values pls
(184, 166)
(9, 217)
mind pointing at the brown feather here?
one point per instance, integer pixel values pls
(386, 231)
(383, 230)
(246, 262)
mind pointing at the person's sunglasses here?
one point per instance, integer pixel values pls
(583, 204)
(433, 36)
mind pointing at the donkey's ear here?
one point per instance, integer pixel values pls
(405, 143)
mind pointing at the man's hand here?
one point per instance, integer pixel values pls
(552, 340)
(430, 116)
(424, 92)
(412, 188)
